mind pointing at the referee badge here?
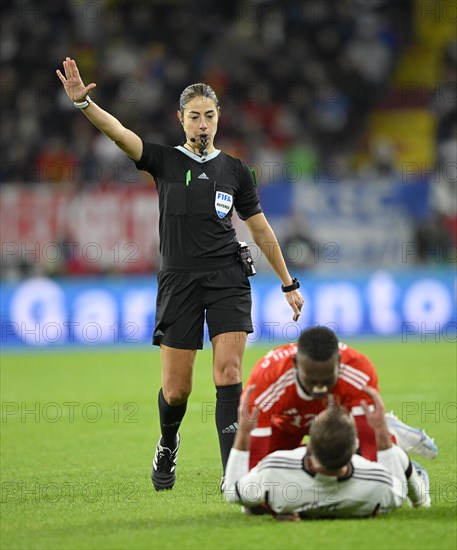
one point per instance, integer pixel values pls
(223, 203)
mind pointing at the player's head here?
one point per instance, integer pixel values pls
(333, 438)
(317, 361)
(199, 112)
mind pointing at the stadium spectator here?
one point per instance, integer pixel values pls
(200, 275)
(325, 479)
(444, 104)
(56, 164)
(271, 51)
(295, 382)
(444, 188)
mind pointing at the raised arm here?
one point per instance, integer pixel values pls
(124, 138)
(376, 419)
(395, 459)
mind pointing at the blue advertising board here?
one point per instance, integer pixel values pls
(112, 311)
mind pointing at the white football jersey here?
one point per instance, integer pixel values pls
(281, 481)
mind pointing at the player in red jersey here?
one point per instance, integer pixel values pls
(295, 382)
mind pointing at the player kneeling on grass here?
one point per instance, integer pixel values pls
(325, 479)
(295, 382)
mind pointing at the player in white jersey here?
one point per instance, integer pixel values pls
(325, 478)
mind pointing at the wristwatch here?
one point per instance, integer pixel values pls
(82, 104)
(294, 286)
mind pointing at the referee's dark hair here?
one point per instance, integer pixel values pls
(197, 90)
(333, 438)
(318, 343)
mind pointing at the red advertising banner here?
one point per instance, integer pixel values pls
(55, 230)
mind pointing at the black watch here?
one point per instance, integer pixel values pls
(294, 286)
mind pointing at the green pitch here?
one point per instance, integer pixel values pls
(79, 431)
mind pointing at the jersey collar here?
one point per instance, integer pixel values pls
(193, 156)
(323, 477)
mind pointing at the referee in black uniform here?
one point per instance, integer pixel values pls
(202, 272)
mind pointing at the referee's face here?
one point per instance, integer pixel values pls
(199, 118)
(317, 377)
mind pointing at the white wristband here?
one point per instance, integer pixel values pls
(82, 104)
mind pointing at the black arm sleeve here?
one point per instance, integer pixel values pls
(152, 159)
(247, 200)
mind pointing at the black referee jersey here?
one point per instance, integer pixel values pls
(196, 200)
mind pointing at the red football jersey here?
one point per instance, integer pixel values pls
(286, 411)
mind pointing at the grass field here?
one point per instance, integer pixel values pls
(79, 430)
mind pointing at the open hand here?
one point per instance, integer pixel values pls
(295, 300)
(72, 82)
(375, 419)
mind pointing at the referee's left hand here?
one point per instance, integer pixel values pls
(295, 300)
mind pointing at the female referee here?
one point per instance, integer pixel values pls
(203, 271)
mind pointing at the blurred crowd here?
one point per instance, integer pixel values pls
(295, 79)
(442, 225)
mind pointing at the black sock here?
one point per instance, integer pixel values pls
(170, 420)
(227, 401)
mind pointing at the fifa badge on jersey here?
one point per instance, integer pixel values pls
(223, 203)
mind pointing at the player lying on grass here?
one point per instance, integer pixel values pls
(325, 478)
(295, 382)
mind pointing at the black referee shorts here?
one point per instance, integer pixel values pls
(185, 297)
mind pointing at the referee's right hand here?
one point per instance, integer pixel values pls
(72, 82)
